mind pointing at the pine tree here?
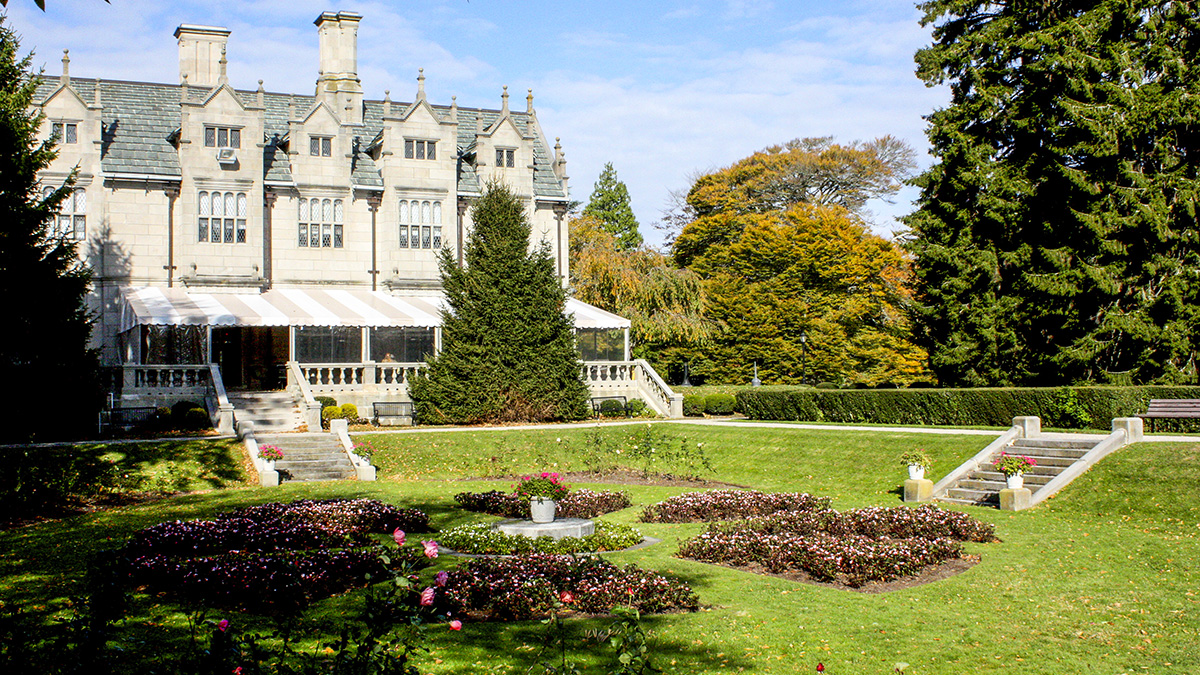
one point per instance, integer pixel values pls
(44, 351)
(1055, 238)
(508, 349)
(610, 203)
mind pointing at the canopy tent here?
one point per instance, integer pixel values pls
(157, 306)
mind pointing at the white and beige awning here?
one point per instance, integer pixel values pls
(157, 306)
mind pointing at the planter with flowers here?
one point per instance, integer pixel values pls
(917, 461)
(542, 492)
(270, 454)
(1014, 467)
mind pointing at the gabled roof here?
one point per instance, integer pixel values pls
(139, 118)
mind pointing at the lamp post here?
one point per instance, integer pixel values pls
(756, 382)
(803, 357)
(686, 382)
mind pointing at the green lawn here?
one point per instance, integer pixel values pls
(1104, 578)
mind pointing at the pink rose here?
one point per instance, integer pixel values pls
(456, 625)
(222, 625)
(431, 549)
(398, 535)
(567, 597)
(442, 577)
(427, 597)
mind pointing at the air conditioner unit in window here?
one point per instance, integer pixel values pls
(227, 155)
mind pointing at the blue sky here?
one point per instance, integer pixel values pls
(663, 90)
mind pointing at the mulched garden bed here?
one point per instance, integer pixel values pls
(930, 574)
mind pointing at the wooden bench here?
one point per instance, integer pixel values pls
(1171, 408)
(394, 413)
(598, 401)
(126, 418)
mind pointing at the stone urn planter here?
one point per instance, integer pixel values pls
(916, 472)
(1015, 481)
(541, 509)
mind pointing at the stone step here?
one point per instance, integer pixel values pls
(1052, 443)
(1068, 453)
(997, 477)
(967, 496)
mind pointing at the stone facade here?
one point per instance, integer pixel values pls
(200, 186)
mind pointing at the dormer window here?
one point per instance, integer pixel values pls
(222, 137)
(416, 149)
(65, 132)
(320, 146)
(506, 157)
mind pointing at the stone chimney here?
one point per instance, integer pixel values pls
(337, 81)
(200, 51)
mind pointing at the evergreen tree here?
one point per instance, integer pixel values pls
(508, 349)
(44, 354)
(610, 203)
(1055, 239)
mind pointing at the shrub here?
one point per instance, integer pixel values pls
(1057, 406)
(180, 410)
(346, 516)
(326, 401)
(349, 411)
(719, 404)
(826, 385)
(330, 412)
(581, 503)
(612, 409)
(197, 418)
(636, 407)
(693, 406)
(480, 538)
(692, 507)
(524, 586)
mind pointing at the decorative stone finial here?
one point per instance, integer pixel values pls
(387, 102)
(291, 107)
(184, 95)
(504, 98)
(529, 101)
(223, 76)
(454, 109)
(66, 76)
(261, 95)
(420, 84)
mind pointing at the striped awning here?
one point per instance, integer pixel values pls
(157, 306)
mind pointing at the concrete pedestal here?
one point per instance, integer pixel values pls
(1015, 499)
(918, 490)
(564, 527)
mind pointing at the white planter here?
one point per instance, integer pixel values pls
(916, 472)
(541, 509)
(1015, 481)
(269, 464)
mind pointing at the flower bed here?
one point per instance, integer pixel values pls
(480, 538)
(273, 556)
(581, 503)
(855, 547)
(693, 507)
(525, 586)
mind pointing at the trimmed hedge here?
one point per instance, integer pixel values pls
(1068, 407)
(719, 404)
(693, 406)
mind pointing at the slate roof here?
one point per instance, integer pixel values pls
(140, 118)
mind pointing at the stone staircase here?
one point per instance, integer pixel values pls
(982, 486)
(270, 411)
(309, 457)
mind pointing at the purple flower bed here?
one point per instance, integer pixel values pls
(581, 503)
(525, 586)
(871, 544)
(693, 507)
(272, 556)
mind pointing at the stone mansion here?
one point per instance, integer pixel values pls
(245, 239)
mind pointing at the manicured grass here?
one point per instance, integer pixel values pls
(1104, 578)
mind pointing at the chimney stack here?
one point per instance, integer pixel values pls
(337, 81)
(201, 49)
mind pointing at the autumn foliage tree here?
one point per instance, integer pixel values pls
(781, 242)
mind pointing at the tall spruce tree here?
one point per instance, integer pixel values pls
(610, 203)
(44, 351)
(1055, 238)
(508, 349)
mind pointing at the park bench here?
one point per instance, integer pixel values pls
(1171, 408)
(394, 413)
(126, 418)
(598, 403)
